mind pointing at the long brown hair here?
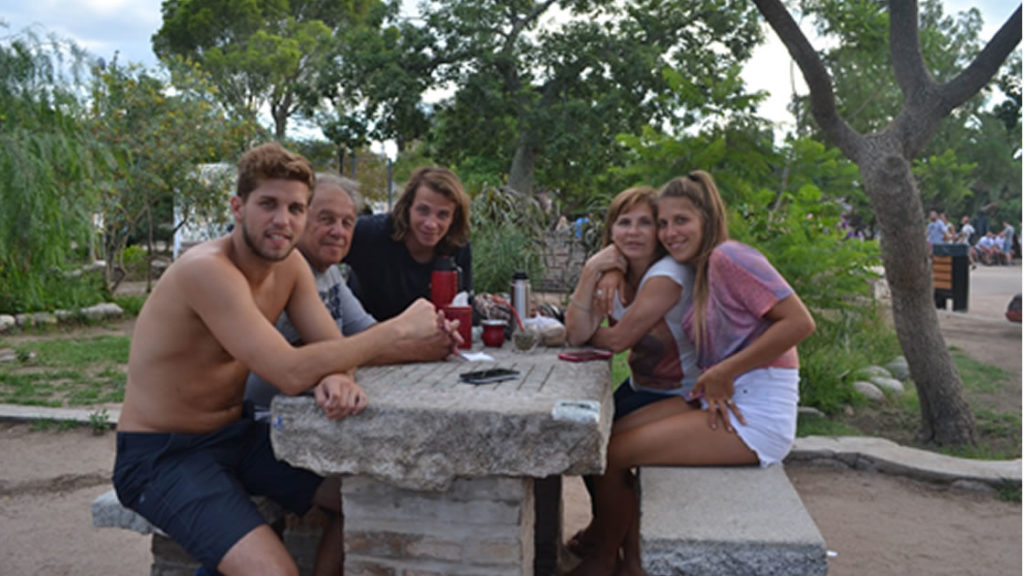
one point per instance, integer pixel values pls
(446, 183)
(698, 187)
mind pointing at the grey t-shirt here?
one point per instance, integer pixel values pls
(347, 312)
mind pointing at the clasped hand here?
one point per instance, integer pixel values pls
(340, 396)
(611, 265)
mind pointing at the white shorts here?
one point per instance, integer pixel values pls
(767, 398)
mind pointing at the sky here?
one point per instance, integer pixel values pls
(106, 27)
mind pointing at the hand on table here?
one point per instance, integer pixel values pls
(340, 396)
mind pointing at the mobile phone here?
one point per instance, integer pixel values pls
(585, 355)
(488, 376)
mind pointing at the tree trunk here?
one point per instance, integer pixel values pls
(520, 175)
(946, 418)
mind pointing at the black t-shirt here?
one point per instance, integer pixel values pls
(385, 277)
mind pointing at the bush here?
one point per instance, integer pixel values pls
(52, 290)
(136, 262)
(844, 343)
(498, 251)
(508, 228)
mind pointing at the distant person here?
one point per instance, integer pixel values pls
(966, 234)
(1008, 239)
(324, 243)
(393, 255)
(935, 233)
(188, 458)
(950, 232)
(990, 249)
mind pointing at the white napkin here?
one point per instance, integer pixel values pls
(476, 356)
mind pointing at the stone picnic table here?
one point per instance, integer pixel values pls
(452, 478)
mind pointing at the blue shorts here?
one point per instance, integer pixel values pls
(627, 399)
(197, 487)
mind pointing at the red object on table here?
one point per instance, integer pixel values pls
(464, 314)
(494, 333)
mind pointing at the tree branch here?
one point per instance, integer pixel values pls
(917, 124)
(985, 65)
(822, 94)
(905, 49)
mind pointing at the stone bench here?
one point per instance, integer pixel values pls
(300, 535)
(726, 521)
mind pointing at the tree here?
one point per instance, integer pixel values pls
(46, 163)
(260, 53)
(159, 133)
(541, 89)
(884, 157)
(968, 164)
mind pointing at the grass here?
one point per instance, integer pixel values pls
(978, 377)
(66, 372)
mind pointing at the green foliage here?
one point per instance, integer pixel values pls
(973, 162)
(817, 426)
(844, 342)
(538, 101)
(98, 421)
(262, 53)
(158, 133)
(136, 261)
(46, 424)
(46, 163)
(508, 230)
(130, 305)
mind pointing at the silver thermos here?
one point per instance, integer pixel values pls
(521, 294)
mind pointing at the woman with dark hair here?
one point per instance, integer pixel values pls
(393, 255)
(745, 322)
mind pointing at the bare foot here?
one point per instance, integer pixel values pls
(595, 566)
(582, 543)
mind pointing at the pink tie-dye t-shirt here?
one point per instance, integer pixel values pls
(743, 286)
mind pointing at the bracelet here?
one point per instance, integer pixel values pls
(578, 305)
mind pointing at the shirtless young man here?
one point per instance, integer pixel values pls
(187, 459)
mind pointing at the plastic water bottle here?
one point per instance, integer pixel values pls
(521, 294)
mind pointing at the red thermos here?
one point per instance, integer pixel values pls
(444, 282)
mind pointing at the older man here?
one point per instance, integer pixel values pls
(325, 242)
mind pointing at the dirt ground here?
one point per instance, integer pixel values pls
(876, 524)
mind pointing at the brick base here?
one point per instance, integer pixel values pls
(483, 527)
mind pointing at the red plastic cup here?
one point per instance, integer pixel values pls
(464, 314)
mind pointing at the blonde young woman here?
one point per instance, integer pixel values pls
(746, 322)
(646, 311)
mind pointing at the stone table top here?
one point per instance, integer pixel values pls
(423, 428)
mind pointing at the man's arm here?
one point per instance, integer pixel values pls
(220, 295)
